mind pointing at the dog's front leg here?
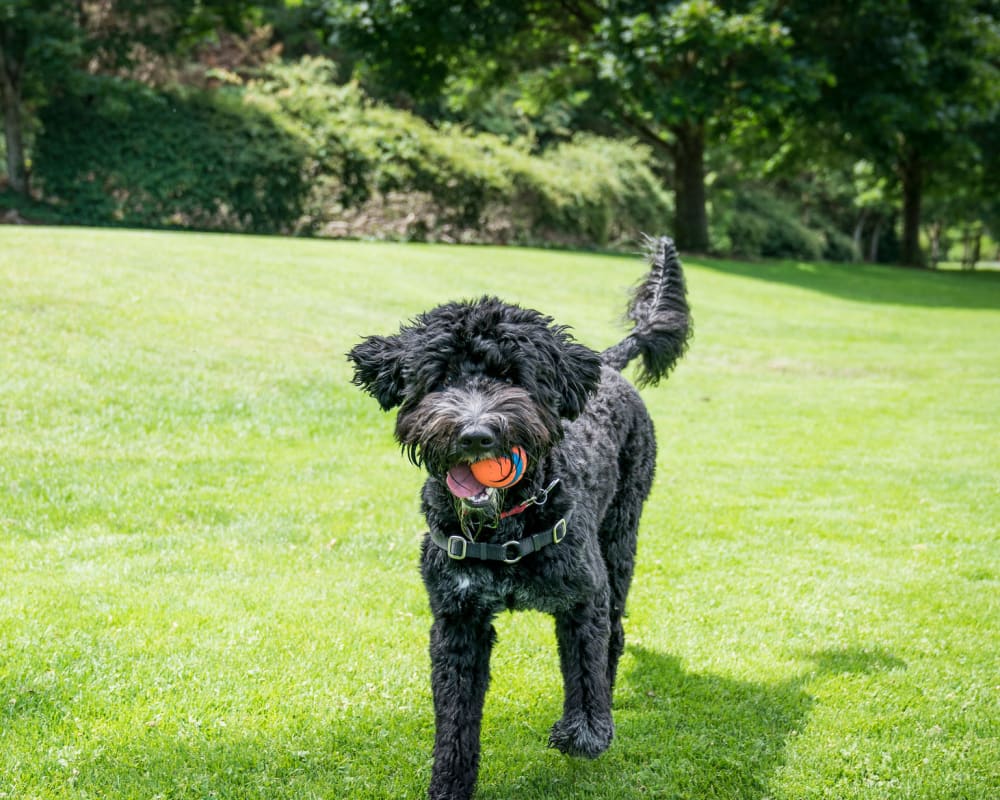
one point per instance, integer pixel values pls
(460, 675)
(586, 727)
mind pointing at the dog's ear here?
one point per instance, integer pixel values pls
(378, 369)
(579, 374)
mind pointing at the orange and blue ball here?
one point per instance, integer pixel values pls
(502, 472)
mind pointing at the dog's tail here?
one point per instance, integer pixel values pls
(661, 320)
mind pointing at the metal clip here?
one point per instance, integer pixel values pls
(541, 498)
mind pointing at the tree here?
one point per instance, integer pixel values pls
(34, 38)
(689, 71)
(911, 81)
(965, 200)
(675, 74)
(41, 41)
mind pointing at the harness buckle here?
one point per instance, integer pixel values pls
(462, 547)
(559, 531)
(507, 559)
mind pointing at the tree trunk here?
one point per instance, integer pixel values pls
(10, 99)
(972, 246)
(859, 231)
(690, 220)
(977, 243)
(912, 174)
(873, 244)
(934, 234)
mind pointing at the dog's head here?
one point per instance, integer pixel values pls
(474, 380)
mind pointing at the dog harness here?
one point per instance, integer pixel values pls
(459, 548)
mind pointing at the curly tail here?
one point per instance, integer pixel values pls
(661, 320)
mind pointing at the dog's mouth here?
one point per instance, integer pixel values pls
(468, 489)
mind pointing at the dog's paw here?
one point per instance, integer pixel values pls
(576, 735)
(456, 788)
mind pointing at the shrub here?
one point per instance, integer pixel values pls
(751, 222)
(838, 246)
(293, 151)
(113, 151)
(601, 188)
(474, 187)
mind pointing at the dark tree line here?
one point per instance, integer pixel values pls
(912, 87)
(909, 87)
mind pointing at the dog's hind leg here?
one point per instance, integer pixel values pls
(460, 675)
(620, 529)
(618, 545)
(586, 727)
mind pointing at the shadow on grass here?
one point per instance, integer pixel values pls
(680, 735)
(855, 661)
(872, 283)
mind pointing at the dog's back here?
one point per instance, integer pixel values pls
(615, 429)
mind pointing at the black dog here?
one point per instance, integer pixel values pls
(485, 380)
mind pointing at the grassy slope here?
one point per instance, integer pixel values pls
(209, 539)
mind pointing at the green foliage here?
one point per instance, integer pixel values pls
(695, 61)
(295, 151)
(676, 76)
(604, 185)
(41, 35)
(912, 83)
(905, 87)
(837, 245)
(514, 111)
(756, 223)
(114, 152)
(42, 42)
(905, 75)
(679, 63)
(589, 191)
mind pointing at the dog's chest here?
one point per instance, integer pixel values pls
(507, 588)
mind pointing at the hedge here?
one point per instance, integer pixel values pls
(295, 152)
(477, 186)
(116, 152)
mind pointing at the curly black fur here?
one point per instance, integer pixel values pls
(472, 380)
(659, 315)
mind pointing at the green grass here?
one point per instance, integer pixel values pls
(208, 537)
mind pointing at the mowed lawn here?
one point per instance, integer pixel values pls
(208, 538)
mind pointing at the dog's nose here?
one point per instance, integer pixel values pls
(476, 441)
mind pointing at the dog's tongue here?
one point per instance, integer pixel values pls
(462, 483)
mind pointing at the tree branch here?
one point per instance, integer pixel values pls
(646, 133)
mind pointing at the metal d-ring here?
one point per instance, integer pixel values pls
(517, 545)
